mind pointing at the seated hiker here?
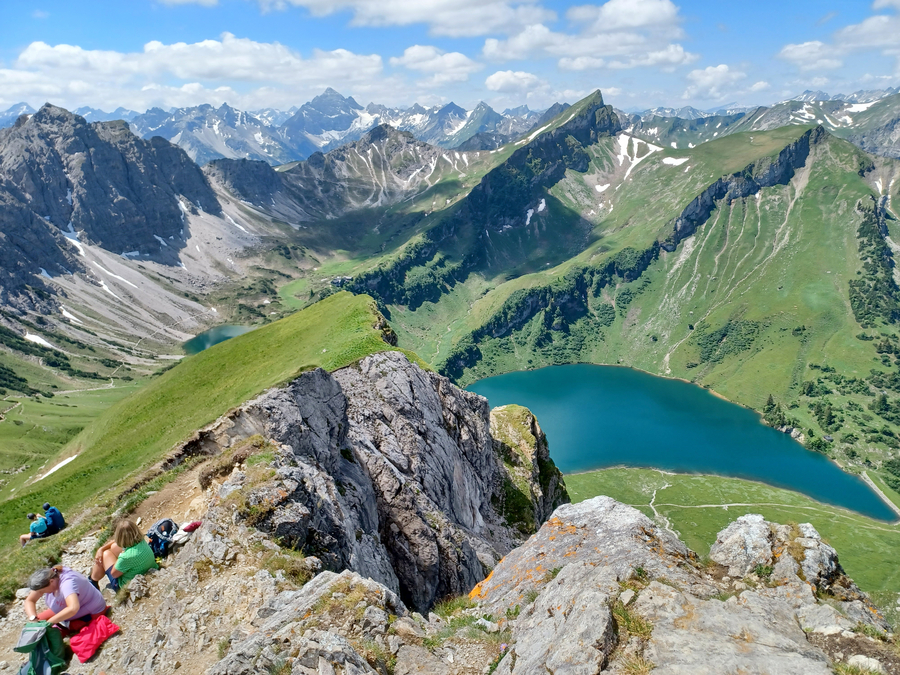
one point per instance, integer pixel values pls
(39, 528)
(124, 556)
(54, 518)
(69, 596)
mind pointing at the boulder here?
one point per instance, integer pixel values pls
(744, 544)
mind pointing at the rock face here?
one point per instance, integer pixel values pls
(102, 182)
(602, 587)
(534, 479)
(390, 471)
(763, 173)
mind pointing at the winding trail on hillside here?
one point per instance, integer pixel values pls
(111, 385)
(814, 509)
(9, 410)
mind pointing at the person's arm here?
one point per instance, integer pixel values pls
(111, 544)
(73, 606)
(30, 606)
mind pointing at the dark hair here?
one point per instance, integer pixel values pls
(31, 516)
(46, 506)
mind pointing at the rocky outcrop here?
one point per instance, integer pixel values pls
(534, 481)
(387, 470)
(601, 587)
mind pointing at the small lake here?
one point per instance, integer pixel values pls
(603, 416)
(213, 336)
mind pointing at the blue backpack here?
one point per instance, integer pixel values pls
(54, 515)
(160, 536)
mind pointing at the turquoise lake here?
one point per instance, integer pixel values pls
(213, 336)
(602, 416)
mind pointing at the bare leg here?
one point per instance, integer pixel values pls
(109, 559)
(24, 538)
(98, 571)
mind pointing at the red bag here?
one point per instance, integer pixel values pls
(190, 527)
(89, 639)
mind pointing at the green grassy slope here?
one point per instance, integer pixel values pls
(138, 431)
(788, 291)
(698, 507)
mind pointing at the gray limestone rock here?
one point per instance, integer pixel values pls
(754, 635)
(391, 471)
(743, 545)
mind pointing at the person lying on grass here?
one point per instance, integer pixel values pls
(39, 528)
(69, 595)
(123, 557)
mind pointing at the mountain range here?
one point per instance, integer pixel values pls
(330, 120)
(752, 253)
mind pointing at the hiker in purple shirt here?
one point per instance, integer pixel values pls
(68, 594)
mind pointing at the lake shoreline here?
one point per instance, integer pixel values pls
(601, 416)
(700, 386)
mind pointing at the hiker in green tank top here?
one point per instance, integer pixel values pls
(123, 557)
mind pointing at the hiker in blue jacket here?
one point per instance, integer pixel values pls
(39, 528)
(54, 517)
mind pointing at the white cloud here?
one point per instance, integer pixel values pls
(618, 14)
(444, 17)
(443, 67)
(236, 70)
(513, 81)
(581, 63)
(712, 83)
(879, 32)
(667, 59)
(618, 34)
(762, 85)
(813, 55)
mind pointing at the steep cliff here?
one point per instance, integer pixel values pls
(390, 471)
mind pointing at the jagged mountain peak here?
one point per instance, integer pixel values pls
(333, 97)
(126, 198)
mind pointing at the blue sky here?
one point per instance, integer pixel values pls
(260, 53)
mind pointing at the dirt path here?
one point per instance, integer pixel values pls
(881, 494)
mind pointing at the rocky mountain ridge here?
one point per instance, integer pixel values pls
(324, 123)
(386, 478)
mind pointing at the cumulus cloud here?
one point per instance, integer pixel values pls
(513, 81)
(762, 85)
(712, 83)
(183, 73)
(814, 55)
(441, 66)
(879, 32)
(618, 14)
(455, 18)
(618, 34)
